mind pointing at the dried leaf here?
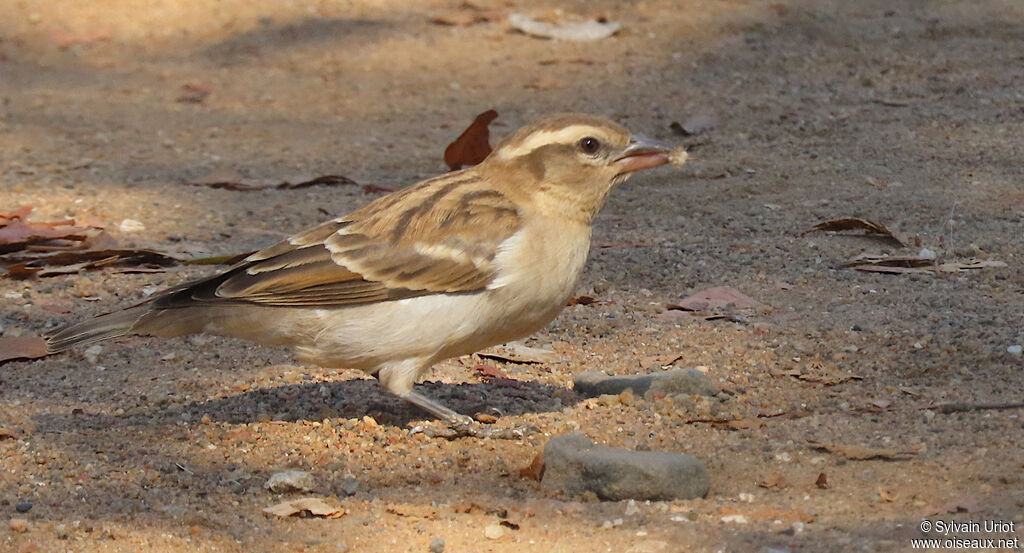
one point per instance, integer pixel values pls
(516, 352)
(6, 434)
(819, 379)
(489, 371)
(870, 228)
(577, 31)
(535, 470)
(467, 14)
(862, 453)
(230, 179)
(582, 300)
(124, 261)
(774, 481)
(22, 347)
(473, 145)
(18, 235)
(377, 189)
(194, 93)
(886, 496)
(714, 298)
(870, 263)
(822, 481)
(744, 424)
(314, 505)
(659, 361)
(21, 213)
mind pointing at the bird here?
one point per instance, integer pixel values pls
(439, 269)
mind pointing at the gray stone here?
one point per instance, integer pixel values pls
(437, 545)
(671, 383)
(576, 465)
(290, 481)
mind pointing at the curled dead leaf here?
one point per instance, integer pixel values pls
(22, 347)
(862, 453)
(870, 228)
(473, 145)
(822, 481)
(715, 298)
(315, 506)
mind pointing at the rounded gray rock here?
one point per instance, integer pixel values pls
(574, 464)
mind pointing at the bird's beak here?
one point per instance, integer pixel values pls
(642, 153)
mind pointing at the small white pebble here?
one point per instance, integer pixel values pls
(738, 519)
(925, 253)
(1016, 350)
(746, 497)
(494, 531)
(131, 225)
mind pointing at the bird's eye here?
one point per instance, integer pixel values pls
(590, 145)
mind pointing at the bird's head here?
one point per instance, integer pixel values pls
(573, 160)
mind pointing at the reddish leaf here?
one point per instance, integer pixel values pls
(582, 300)
(20, 213)
(489, 371)
(473, 145)
(535, 470)
(377, 189)
(870, 228)
(22, 347)
(712, 298)
(822, 481)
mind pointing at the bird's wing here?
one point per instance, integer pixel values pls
(440, 236)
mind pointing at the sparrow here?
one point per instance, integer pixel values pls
(439, 269)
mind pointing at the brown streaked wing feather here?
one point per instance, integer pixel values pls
(440, 238)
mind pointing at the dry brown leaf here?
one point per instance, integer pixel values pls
(964, 504)
(465, 15)
(862, 453)
(515, 352)
(912, 264)
(22, 347)
(230, 179)
(819, 379)
(659, 361)
(582, 300)
(489, 371)
(715, 298)
(6, 434)
(870, 228)
(124, 261)
(886, 496)
(314, 505)
(377, 189)
(535, 470)
(822, 481)
(21, 213)
(744, 424)
(774, 481)
(560, 29)
(473, 145)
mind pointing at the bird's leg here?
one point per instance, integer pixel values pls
(398, 379)
(435, 408)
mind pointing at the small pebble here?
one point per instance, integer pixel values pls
(494, 531)
(131, 225)
(290, 481)
(437, 545)
(1016, 350)
(23, 507)
(350, 485)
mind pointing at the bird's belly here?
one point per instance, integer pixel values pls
(439, 326)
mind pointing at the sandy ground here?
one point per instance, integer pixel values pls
(907, 113)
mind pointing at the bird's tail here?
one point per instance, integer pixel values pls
(104, 327)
